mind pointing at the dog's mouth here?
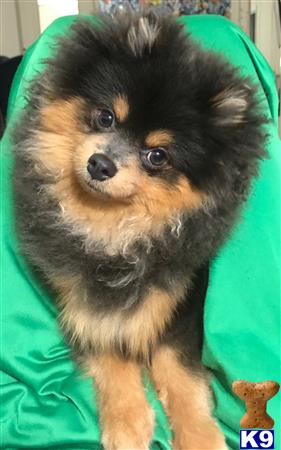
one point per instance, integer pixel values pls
(96, 188)
(107, 190)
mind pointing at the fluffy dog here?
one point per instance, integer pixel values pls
(132, 159)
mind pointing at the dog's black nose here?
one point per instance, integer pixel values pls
(100, 167)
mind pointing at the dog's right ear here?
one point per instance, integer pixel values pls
(230, 106)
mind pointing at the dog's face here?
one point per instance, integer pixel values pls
(137, 114)
(106, 148)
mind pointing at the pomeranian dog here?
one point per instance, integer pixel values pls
(133, 157)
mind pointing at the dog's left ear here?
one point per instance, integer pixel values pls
(230, 106)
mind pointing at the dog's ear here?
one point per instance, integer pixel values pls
(231, 105)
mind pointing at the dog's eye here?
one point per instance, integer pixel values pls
(155, 158)
(105, 118)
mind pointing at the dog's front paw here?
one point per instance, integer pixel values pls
(130, 429)
(206, 437)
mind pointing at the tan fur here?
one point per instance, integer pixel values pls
(186, 402)
(62, 116)
(147, 213)
(121, 108)
(59, 135)
(125, 416)
(159, 138)
(131, 204)
(139, 331)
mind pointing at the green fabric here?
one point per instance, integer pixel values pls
(45, 402)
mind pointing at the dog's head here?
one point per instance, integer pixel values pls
(135, 112)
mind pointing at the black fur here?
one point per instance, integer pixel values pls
(172, 85)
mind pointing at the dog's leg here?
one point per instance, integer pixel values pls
(126, 419)
(184, 395)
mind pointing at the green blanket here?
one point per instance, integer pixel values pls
(45, 401)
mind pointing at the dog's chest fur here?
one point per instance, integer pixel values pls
(122, 301)
(131, 332)
(119, 301)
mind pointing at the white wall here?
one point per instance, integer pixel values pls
(10, 44)
(240, 14)
(268, 33)
(19, 25)
(49, 10)
(88, 6)
(28, 21)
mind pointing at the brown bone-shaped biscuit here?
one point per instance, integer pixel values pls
(256, 395)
